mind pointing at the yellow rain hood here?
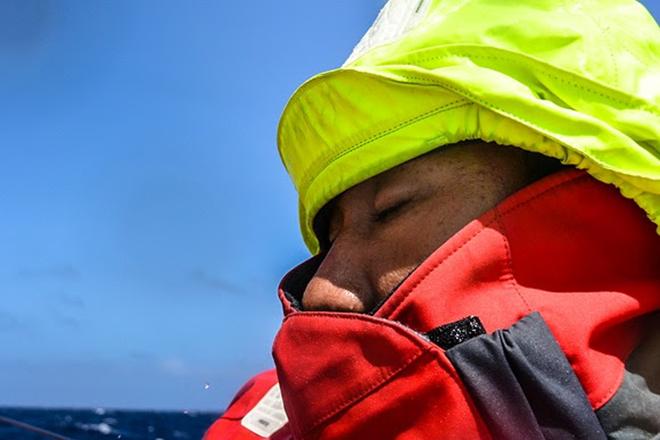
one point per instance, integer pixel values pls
(575, 80)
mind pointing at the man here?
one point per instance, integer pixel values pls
(465, 283)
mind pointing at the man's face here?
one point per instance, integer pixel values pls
(383, 228)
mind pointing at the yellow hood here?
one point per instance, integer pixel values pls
(575, 80)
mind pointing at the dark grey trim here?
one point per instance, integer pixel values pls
(523, 385)
(634, 411)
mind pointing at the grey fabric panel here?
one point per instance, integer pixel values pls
(523, 385)
(634, 411)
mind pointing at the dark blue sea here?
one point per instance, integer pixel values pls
(106, 424)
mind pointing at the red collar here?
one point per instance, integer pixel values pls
(567, 246)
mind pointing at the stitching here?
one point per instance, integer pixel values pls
(368, 389)
(397, 305)
(488, 105)
(398, 328)
(313, 169)
(334, 156)
(385, 377)
(400, 301)
(606, 38)
(511, 277)
(611, 392)
(542, 72)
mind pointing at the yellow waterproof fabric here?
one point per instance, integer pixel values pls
(577, 80)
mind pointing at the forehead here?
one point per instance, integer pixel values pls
(441, 162)
(408, 174)
(421, 171)
(449, 163)
(424, 172)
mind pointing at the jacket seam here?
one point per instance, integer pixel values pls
(514, 117)
(429, 271)
(386, 378)
(419, 343)
(330, 158)
(556, 76)
(509, 265)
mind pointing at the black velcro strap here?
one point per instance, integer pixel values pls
(448, 335)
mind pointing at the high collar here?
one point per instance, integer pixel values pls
(567, 246)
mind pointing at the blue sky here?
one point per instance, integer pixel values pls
(145, 216)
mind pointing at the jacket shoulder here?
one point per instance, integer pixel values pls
(255, 412)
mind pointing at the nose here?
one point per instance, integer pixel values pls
(341, 282)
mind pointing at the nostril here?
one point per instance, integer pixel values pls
(321, 294)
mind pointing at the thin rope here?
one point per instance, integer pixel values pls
(31, 428)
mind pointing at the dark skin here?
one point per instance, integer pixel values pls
(377, 232)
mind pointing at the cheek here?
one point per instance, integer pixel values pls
(399, 246)
(389, 280)
(402, 247)
(416, 234)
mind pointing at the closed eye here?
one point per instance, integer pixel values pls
(390, 211)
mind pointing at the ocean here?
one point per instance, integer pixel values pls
(106, 424)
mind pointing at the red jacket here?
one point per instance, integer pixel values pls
(519, 326)
(234, 425)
